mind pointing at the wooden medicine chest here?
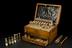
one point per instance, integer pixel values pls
(43, 29)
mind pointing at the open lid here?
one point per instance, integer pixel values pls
(46, 12)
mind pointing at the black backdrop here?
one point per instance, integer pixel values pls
(14, 15)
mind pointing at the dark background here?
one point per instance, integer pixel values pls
(15, 14)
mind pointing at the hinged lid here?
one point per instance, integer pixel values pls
(46, 12)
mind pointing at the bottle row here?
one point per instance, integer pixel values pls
(12, 39)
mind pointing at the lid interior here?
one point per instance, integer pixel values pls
(46, 12)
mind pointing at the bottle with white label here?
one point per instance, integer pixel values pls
(6, 42)
(9, 40)
(12, 40)
(15, 38)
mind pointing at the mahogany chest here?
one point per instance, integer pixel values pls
(43, 29)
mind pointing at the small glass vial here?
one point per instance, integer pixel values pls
(14, 38)
(30, 22)
(25, 35)
(33, 22)
(6, 42)
(19, 36)
(9, 40)
(51, 23)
